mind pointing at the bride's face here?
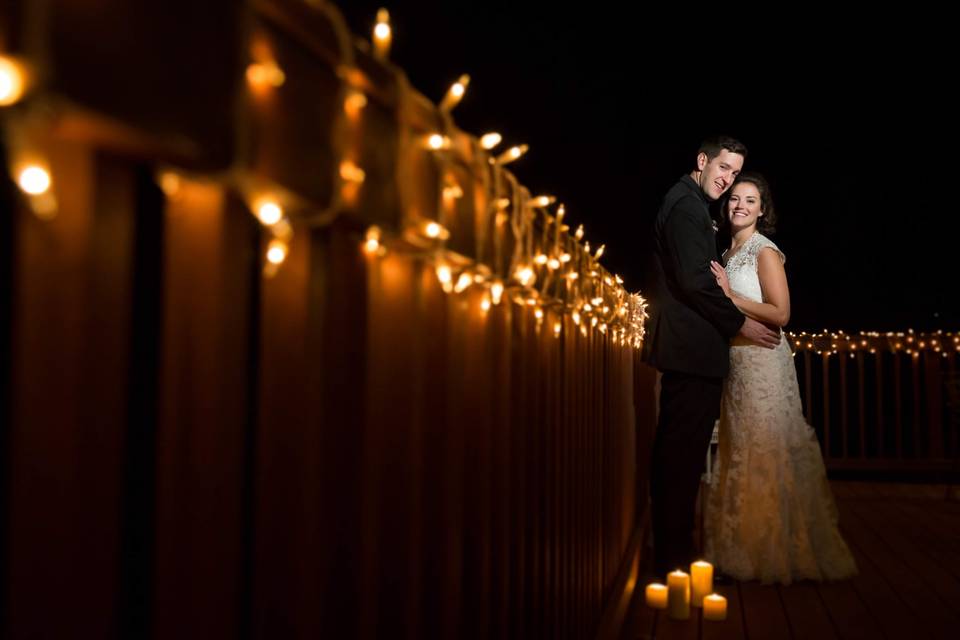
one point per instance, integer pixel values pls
(743, 208)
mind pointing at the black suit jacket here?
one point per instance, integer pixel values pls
(692, 320)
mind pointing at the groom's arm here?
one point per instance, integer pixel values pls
(689, 247)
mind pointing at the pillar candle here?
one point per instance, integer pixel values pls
(714, 607)
(656, 595)
(678, 595)
(701, 580)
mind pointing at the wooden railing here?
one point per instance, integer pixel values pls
(199, 444)
(883, 402)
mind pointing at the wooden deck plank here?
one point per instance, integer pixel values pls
(899, 535)
(927, 611)
(851, 618)
(806, 612)
(887, 607)
(641, 621)
(763, 612)
(668, 629)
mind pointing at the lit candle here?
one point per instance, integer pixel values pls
(701, 578)
(678, 595)
(714, 607)
(656, 595)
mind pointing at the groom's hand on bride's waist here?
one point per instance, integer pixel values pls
(760, 334)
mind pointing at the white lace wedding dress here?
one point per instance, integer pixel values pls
(770, 514)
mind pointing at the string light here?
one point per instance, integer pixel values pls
(512, 154)
(455, 94)
(873, 342)
(269, 212)
(496, 291)
(34, 180)
(354, 104)
(452, 190)
(490, 141)
(372, 242)
(435, 231)
(525, 276)
(464, 281)
(438, 142)
(445, 276)
(350, 172)
(542, 201)
(382, 35)
(583, 280)
(169, 183)
(265, 74)
(277, 251)
(13, 81)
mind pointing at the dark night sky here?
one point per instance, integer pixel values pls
(850, 120)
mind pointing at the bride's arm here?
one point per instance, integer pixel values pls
(775, 308)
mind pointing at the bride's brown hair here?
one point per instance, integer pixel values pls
(767, 223)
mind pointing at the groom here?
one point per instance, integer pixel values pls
(690, 331)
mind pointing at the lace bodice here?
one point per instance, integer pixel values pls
(741, 266)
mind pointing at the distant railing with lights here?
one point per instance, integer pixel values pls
(882, 401)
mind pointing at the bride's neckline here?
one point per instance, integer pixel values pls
(740, 248)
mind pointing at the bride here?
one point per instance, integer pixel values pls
(770, 515)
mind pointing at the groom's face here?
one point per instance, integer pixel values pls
(718, 173)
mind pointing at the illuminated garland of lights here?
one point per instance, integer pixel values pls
(830, 343)
(550, 270)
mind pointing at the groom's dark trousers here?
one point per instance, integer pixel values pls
(689, 405)
(691, 324)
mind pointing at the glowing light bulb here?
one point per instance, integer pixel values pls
(464, 281)
(269, 212)
(350, 172)
(437, 142)
(382, 34)
(542, 201)
(12, 81)
(276, 251)
(265, 74)
(496, 291)
(525, 276)
(455, 93)
(372, 242)
(512, 154)
(445, 276)
(490, 140)
(34, 180)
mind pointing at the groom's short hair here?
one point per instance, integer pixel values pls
(714, 145)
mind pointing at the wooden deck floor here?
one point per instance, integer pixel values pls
(906, 539)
